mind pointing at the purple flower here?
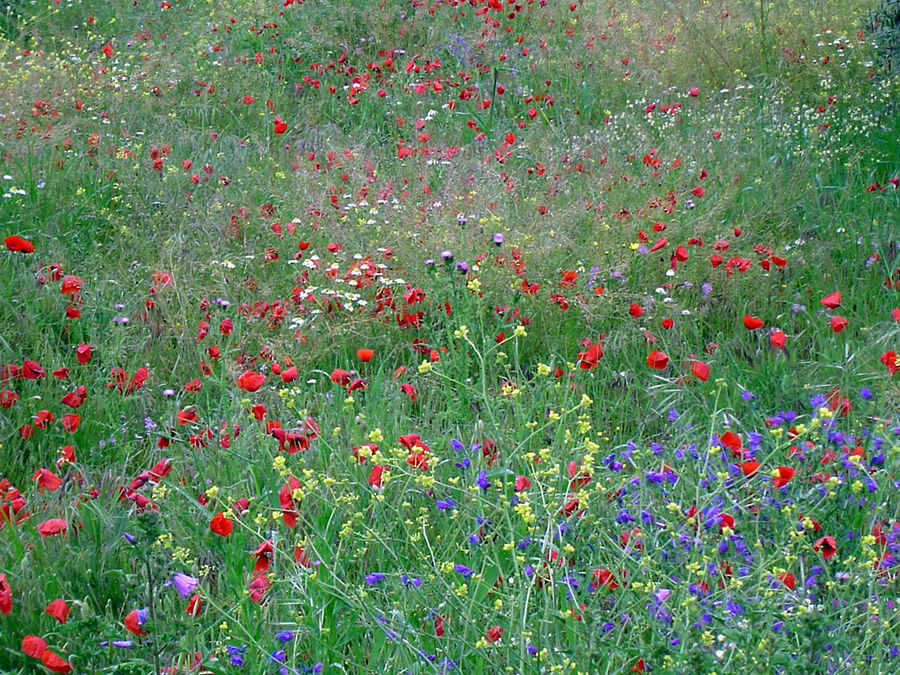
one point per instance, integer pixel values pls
(865, 393)
(462, 569)
(130, 538)
(285, 636)
(374, 578)
(462, 267)
(482, 480)
(236, 654)
(444, 504)
(184, 584)
(278, 656)
(497, 238)
(446, 256)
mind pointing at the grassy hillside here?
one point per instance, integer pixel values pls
(443, 336)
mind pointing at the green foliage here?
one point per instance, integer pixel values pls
(883, 27)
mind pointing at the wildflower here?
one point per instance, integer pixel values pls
(58, 609)
(184, 584)
(135, 619)
(236, 654)
(374, 577)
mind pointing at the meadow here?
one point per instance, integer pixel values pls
(448, 336)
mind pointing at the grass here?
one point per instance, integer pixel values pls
(486, 493)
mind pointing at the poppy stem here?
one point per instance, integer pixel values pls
(152, 612)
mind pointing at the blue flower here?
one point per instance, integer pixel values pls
(374, 578)
(285, 636)
(482, 480)
(462, 569)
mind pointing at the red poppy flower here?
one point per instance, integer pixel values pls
(832, 300)
(221, 525)
(55, 663)
(195, 605)
(752, 322)
(365, 354)
(635, 310)
(826, 546)
(521, 483)
(357, 383)
(52, 526)
(837, 323)
(133, 622)
(31, 370)
(788, 580)
(587, 360)
(71, 284)
(42, 418)
(494, 633)
(778, 339)
(34, 646)
(340, 376)
(889, 359)
(289, 374)
(75, 399)
(83, 353)
(376, 475)
(7, 398)
(658, 360)
(410, 391)
(58, 609)
(279, 127)
(47, 480)
(785, 473)
(186, 416)
(250, 381)
(5, 595)
(70, 422)
(700, 370)
(750, 468)
(17, 243)
(258, 588)
(732, 441)
(605, 578)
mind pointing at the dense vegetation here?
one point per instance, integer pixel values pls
(448, 336)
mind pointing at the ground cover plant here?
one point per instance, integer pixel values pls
(436, 336)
